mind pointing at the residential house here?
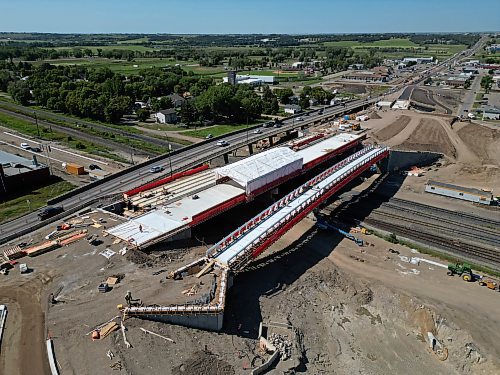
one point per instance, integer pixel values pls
(293, 109)
(166, 116)
(177, 100)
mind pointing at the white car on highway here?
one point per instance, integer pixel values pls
(222, 143)
(25, 146)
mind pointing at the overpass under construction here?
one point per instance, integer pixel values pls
(237, 249)
(168, 208)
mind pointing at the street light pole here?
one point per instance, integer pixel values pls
(170, 158)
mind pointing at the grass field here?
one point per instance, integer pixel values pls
(29, 128)
(215, 130)
(394, 43)
(438, 50)
(128, 47)
(38, 198)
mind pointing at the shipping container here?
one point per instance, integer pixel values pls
(75, 169)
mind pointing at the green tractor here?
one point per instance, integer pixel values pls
(461, 269)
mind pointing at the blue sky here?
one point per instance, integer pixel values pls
(245, 16)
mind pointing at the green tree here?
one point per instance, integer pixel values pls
(116, 108)
(188, 112)
(20, 92)
(142, 114)
(304, 101)
(284, 95)
(487, 82)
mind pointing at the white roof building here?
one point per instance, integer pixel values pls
(262, 169)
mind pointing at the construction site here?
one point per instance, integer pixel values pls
(367, 243)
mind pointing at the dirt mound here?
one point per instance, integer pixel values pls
(204, 363)
(483, 141)
(429, 136)
(375, 116)
(392, 129)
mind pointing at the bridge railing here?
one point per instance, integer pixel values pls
(220, 246)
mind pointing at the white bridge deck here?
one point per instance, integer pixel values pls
(270, 224)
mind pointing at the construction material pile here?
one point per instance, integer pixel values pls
(282, 344)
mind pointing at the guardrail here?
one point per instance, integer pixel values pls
(205, 142)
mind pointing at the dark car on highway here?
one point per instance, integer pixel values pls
(49, 212)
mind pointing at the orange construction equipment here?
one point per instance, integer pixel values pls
(490, 284)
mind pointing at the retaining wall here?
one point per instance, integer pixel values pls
(401, 160)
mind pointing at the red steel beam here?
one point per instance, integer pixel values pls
(163, 181)
(277, 235)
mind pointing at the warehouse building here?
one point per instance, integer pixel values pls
(253, 80)
(18, 173)
(459, 192)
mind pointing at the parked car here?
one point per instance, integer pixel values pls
(222, 143)
(94, 166)
(156, 169)
(209, 136)
(268, 124)
(25, 146)
(49, 212)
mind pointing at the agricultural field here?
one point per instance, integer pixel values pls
(409, 47)
(119, 66)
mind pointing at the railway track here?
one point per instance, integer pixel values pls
(80, 134)
(434, 222)
(478, 220)
(469, 251)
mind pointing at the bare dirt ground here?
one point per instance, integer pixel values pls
(357, 310)
(392, 129)
(471, 150)
(429, 136)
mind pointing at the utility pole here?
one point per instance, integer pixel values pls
(36, 122)
(47, 149)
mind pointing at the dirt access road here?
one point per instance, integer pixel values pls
(23, 347)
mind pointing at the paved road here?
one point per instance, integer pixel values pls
(201, 153)
(100, 127)
(470, 96)
(182, 160)
(127, 150)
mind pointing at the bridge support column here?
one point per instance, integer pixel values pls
(271, 141)
(226, 159)
(250, 149)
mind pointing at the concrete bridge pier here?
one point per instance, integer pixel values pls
(226, 158)
(250, 149)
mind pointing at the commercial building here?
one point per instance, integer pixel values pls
(368, 75)
(254, 80)
(166, 116)
(18, 173)
(418, 60)
(491, 112)
(459, 192)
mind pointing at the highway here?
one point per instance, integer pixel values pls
(183, 159)
(203, 152)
